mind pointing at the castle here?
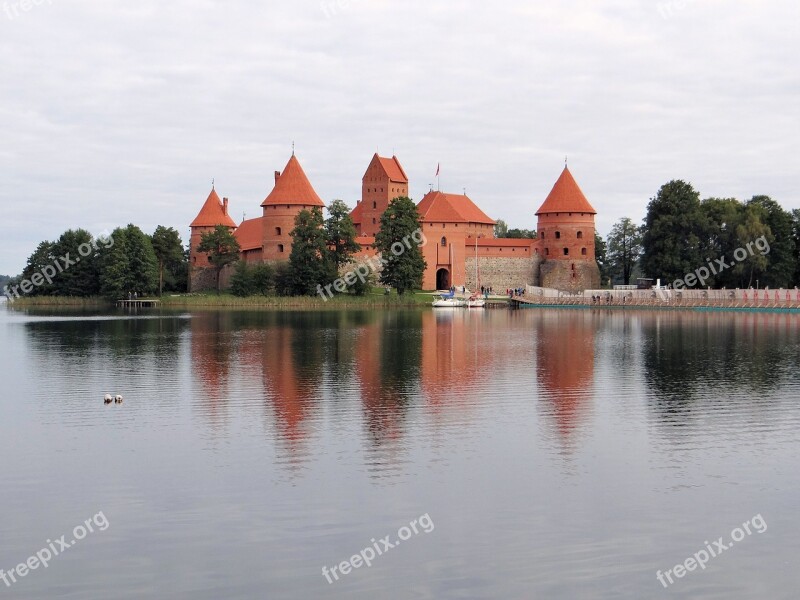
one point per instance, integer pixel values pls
(460, 247)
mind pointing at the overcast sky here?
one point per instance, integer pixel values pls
(118, 112)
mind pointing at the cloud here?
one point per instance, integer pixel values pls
(115, 114)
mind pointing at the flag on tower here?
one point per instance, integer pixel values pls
(437, 170)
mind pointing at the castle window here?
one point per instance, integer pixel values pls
(374, 205)
(373, 220)
(583, 251)
(547, 251)
(558, 235)
(444, 242)
(277, 231)
(580, 235)
(194, 260)
(543, 235)
(280, 248)
(566, 251)
(287, 206)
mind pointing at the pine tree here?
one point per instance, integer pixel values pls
(398, 242)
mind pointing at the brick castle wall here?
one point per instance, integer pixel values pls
(571, 276)
(502, 272)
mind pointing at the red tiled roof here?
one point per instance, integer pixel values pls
(450, 208)
(356, 213)
(212, 213)
(566, 197)
(293, 187)
(250, 234)
(393, 169)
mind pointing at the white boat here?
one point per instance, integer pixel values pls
(447, 301)
(476, 302)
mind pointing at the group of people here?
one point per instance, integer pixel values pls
(515, 292)
(599, 299)
(133, 296)
(486, 290)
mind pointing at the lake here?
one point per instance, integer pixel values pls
(537, 453)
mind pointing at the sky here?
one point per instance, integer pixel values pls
(123, 112)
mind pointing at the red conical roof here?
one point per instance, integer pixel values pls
(293, 187)
(566, 197)
(213, 213)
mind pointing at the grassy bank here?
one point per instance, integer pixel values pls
(65, 301)
(374, 300)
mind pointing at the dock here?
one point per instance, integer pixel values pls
(147, 303)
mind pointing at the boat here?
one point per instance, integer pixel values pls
(447, 300)
(476, 302)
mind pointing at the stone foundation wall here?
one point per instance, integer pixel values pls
(202, 279)
(502, 272)
(559, 275)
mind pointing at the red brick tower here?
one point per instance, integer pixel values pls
(383, 181)
(213, 213)
(566, 238)
(292, 193)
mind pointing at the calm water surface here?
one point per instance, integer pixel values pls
(558, 453)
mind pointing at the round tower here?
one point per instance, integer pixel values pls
(565, 242)
(292, 193)
(213, 213)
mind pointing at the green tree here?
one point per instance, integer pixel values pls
(42, 257)
(601, 257)
(340, 234)
(781, 261)
(222, 248)
(500, 229)
(310, 260)
(723, 217)
(169, 251)
(128, 264)
(397, 241)
(674, 230)
(624, 249)
(78, 253)
(519, 234)
(796, 236)
(755, 265)
(249, 280)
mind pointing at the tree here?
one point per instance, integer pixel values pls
(528, 234)
(78, 253)
(169, 251)
(674, 229)
(602, 259)
(723, 216)
(43, 256)
(398, 242)
(624, 248)
(222, 248)
(780, 260)
(249, 280)
(340, 234)
(755, 265)
(310, 260)
(796, 236)
(500, 229)
(129, 264)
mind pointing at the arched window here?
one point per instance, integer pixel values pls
(444, 241)
(580, 235)
(566, 251)
(280, 248)
(583, 251)
(558, 235)
(277, 231)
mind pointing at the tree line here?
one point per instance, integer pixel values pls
(682, 233)
(126, 261)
